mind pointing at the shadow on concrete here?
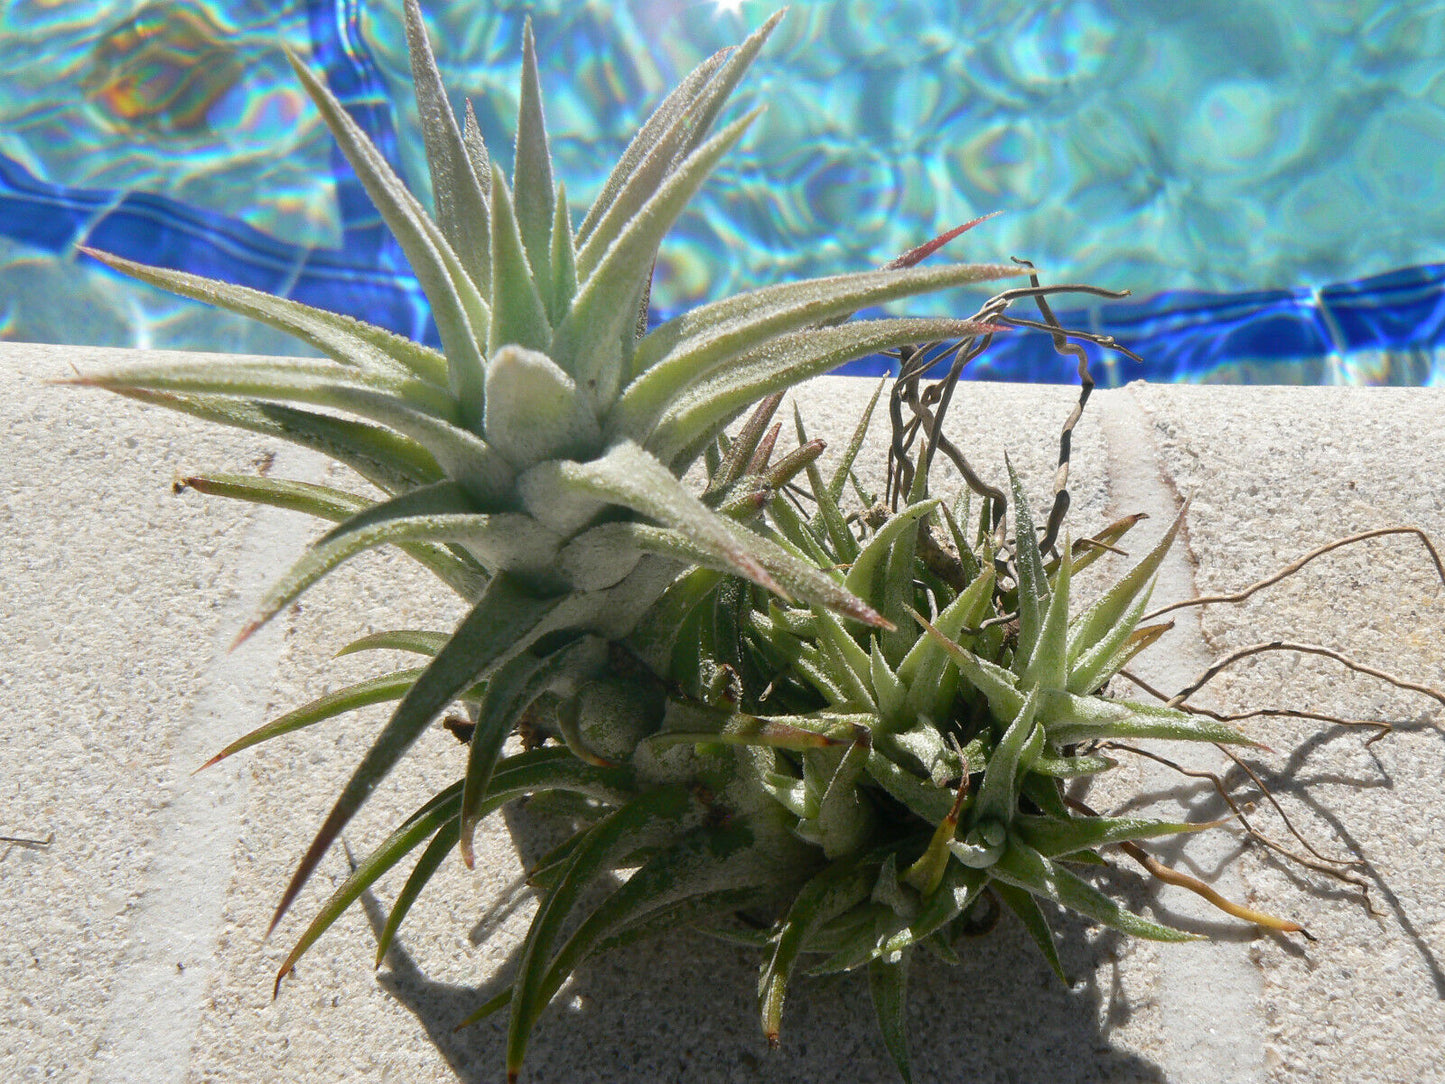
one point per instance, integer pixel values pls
(683, 1007)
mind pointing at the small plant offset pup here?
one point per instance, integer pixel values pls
(847, 737)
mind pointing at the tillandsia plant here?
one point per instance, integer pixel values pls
(822, 736)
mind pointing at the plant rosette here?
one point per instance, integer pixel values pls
(836, 739)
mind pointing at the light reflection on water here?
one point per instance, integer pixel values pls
(1232, 147)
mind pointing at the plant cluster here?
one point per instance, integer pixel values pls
(836, 736)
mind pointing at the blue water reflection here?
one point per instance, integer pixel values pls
(1259, 174)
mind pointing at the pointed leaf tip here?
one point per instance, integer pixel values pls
(245, 634)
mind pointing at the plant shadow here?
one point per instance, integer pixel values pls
(683, 1007)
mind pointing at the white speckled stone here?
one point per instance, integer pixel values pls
(132, 947)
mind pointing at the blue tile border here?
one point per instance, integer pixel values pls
(1181, 334)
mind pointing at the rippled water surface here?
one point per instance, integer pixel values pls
(1267, 178)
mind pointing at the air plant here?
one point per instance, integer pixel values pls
(837, 737)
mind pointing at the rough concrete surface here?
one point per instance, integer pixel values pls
(132, 945)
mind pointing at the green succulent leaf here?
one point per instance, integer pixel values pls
(456, 305)
(387, 460)
(839, 887)
(1024, 905)
(464, 456)
(866, 575)
(348, 341)
(1053, 837)
(503, 540)
(426, 866)
(1033, 590)
(534, 411)
(663, 811)
(687, 427)
(563, 259)
(1023, 867)
(998, 797)
(603, 307)
(1069, 719)
(1047, 664)
(675, 129)
(888, 983)
(1099, 630)
(416, 641)
(376, 690)
(325, 502)
(700, 865)
(477, 156)
(505, 620)
(461, 202)
(518, 313)
(509, 692)
(435, 813)
(925, 671)
(674, 357)
(532, 171)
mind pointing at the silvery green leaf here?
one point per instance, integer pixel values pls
(998, 796)
(689, 425)
(603, 309)
(678, 103)
(325, 502)
(1053, 837)
(408, 835)
(480, 162)
(416, 641)
(532, 170)
(653, 812)
(1069, 719)
(533, 411)
(500, 541)
(376, 690)
(563, 259)
(678, 127)
(925, 670)
(300, 380)
(1024, 867)
(1033, 589)
(837, 888)
(456, 305)
(461, 205)
(1108, 618)
(888, 691)
(461, 454)
(1023, 904)
(519, 316)
(388, 460)
(865, 576)
(888, 983)
(341, 338)
(504, 622)
(675, 356)
(1097, 664)
(998, 685)
(921, 797)
(1047, 664)
(508, 693)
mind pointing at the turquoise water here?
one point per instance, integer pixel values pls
(1248, 170)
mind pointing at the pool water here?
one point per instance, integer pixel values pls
(1267, 178)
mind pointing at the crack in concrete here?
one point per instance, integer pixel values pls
(1209, 993)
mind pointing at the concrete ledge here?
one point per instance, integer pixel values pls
(132, 944)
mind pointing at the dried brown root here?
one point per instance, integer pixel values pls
(1337, 868)
(1170, 875)
(1294, 566)
(1308, 649)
